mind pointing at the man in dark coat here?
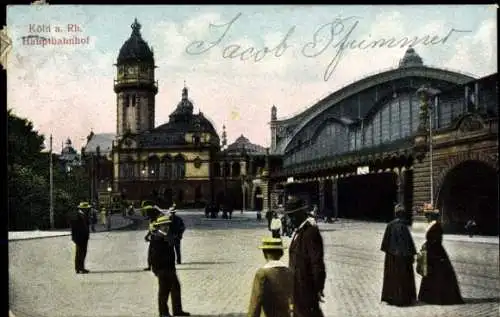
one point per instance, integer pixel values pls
(152, 214)
(440, 285)
(399, 280)
(80, 236)
(178, 229)
(163, 266)
(306, 261)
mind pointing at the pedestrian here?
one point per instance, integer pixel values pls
(93, 216)
(439, 286)
(259, 216)
(272, 290)
(178, 228)
(108, 219)
(152, 214)
(80, 236)
(163, 267)
(276, 226)
(398, 287)
(470, 227)
(269, 218)
(306, 256)
(103, 216)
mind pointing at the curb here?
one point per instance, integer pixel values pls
(131, 223)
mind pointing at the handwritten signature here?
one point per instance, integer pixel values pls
(335, 35)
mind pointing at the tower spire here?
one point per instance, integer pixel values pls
(184, 92)
(136, 27)
(224, 136)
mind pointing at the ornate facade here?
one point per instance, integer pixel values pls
(380, 125)
(174, 158)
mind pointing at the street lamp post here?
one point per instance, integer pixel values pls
(426, 93)
(51, 189)
(243, 190)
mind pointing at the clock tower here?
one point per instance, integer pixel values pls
(135, 86)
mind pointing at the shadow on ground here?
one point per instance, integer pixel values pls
(208, 263)
(482, 300)
(222, 315)
(140, 270)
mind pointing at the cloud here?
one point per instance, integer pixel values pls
(477, 51)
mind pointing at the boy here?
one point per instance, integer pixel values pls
(272, 286)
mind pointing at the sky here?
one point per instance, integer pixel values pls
(67, 90)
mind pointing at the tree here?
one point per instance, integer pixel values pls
(24, 144)
(28, 180)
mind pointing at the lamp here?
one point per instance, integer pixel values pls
(426, 93)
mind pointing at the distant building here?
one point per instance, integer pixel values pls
(241, 174)
(97, 157)
(69, 158)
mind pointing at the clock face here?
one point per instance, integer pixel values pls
(130, 70)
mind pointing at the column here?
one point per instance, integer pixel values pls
(335, 197)
(321, 196)
(221, 167)
(401, 185)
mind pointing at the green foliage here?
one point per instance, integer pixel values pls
(28, 181)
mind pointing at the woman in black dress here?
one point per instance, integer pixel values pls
(440, 285)
(399, 280)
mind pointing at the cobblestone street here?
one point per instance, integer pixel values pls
(220, 258)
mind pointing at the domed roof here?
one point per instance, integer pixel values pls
(194, 123)
(135, 48)
(184, 107)
(68, 149)
(243, 144)
(182, 118)
(411, 58)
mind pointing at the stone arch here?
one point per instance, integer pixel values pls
(469, 191)
(452, 162)
(235, 169)
(258, 201)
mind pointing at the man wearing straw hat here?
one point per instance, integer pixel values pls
(306, 258)
(272, 286)
(163, 266)
(80, 236)
(152, 214)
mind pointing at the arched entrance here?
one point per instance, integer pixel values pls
(367, 197)
(258, 199)
(470, 191)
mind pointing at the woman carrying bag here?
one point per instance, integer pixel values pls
(439, 284)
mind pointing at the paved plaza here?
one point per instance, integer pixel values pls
(220, 259)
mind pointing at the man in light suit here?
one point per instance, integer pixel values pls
(272, 286)
(306, 261)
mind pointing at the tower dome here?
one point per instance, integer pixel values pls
(411, 58)
(135, 48)
(184, 108)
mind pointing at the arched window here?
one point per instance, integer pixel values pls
(167, 167)
(236, 169)
(127, 170)
(154, 167)
(216, 169)
(179, 167)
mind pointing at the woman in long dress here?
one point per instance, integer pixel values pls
(440, 285)
(399, 279)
